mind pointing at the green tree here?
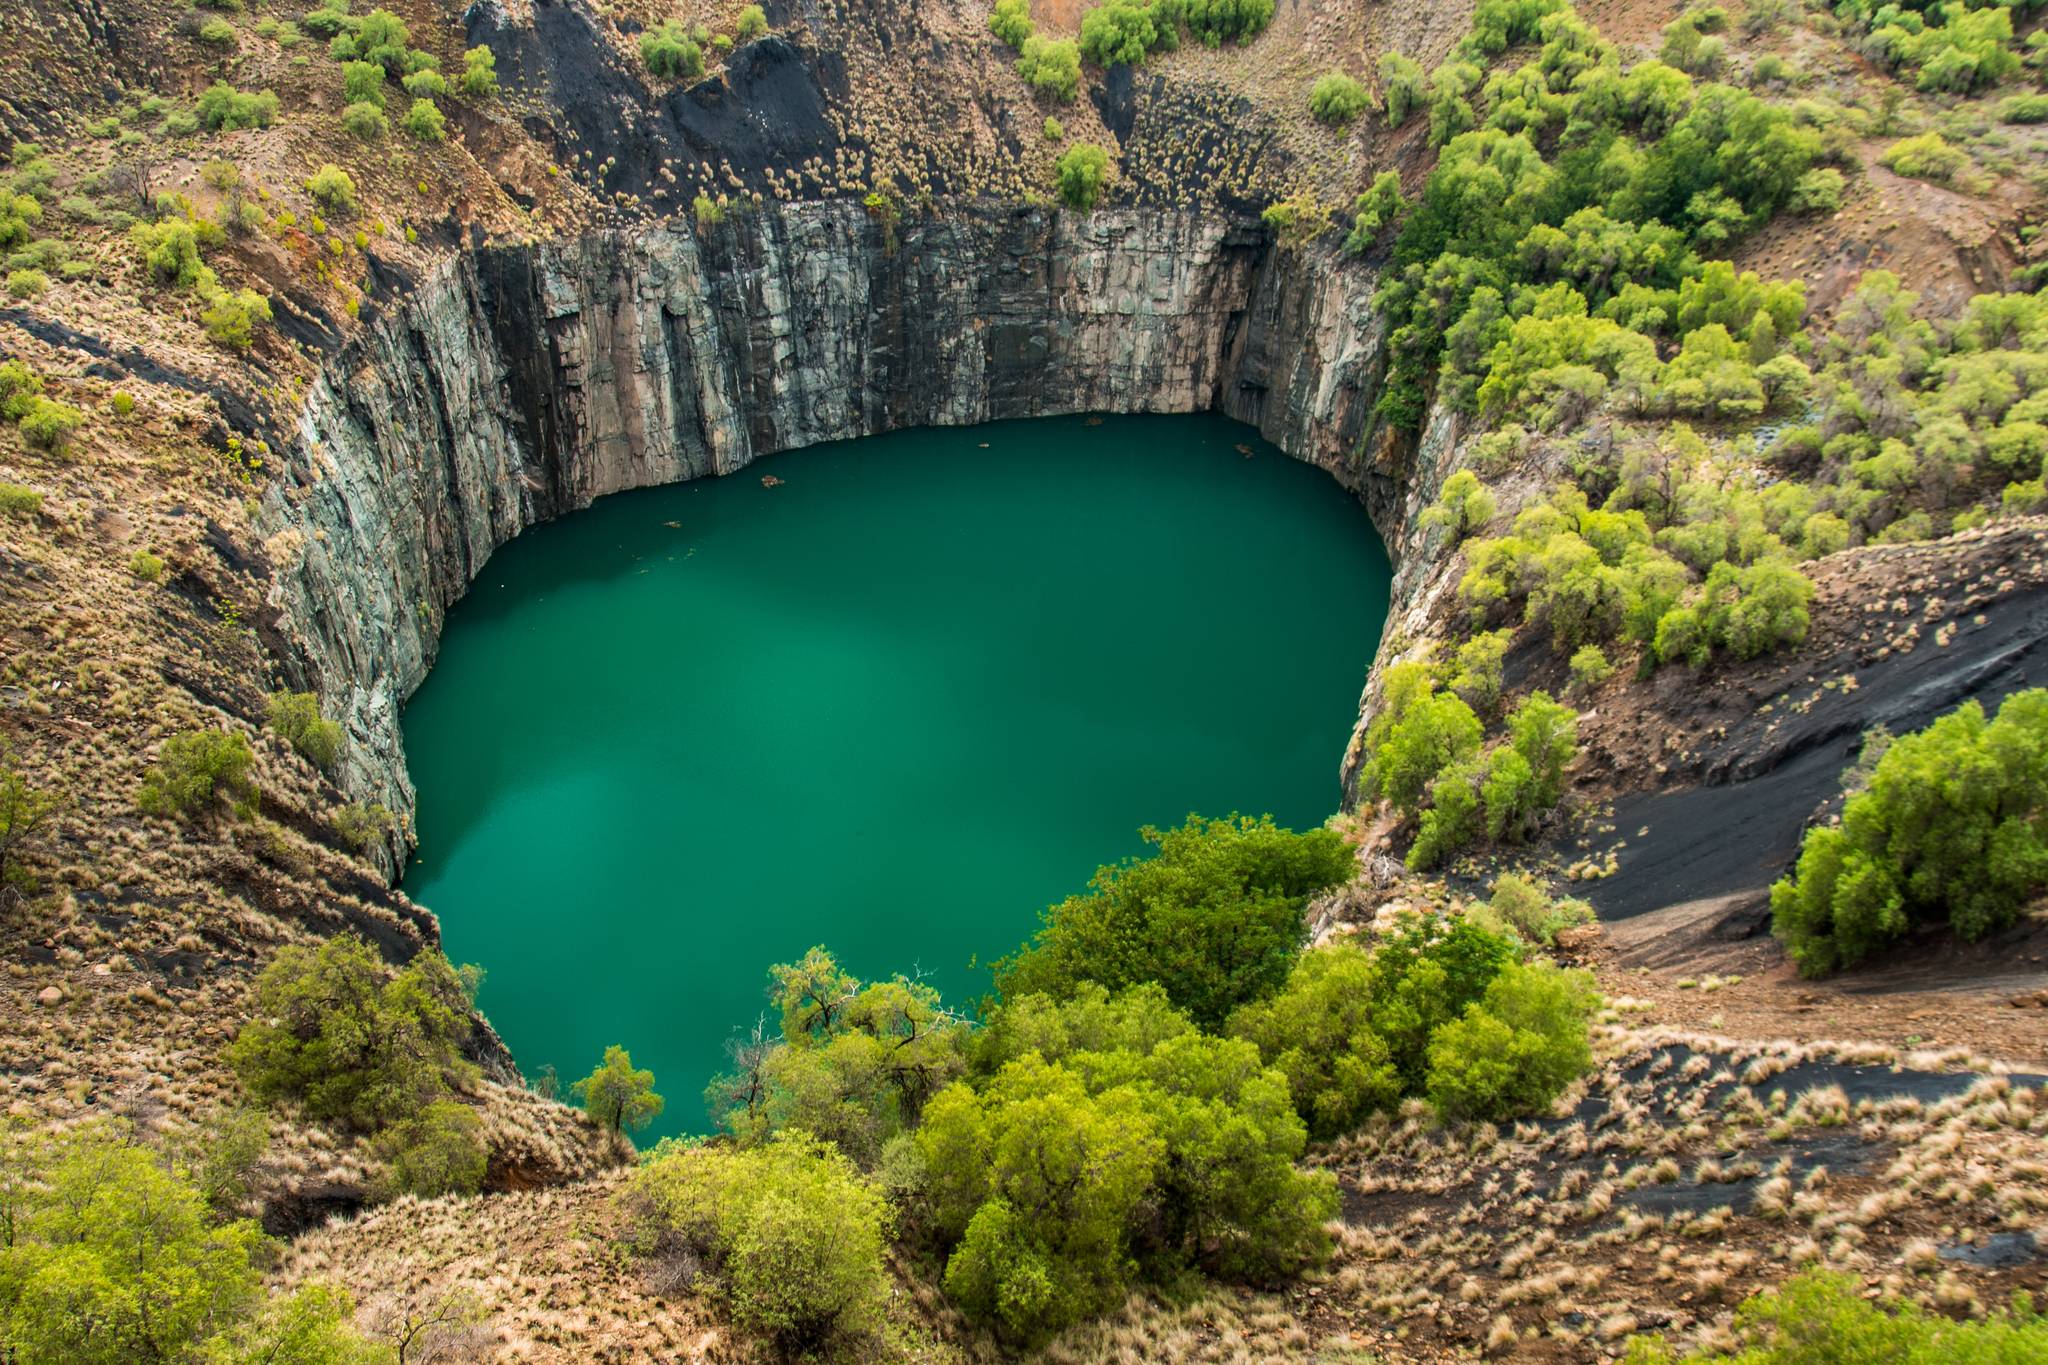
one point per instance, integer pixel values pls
(362, 83)
(787, 1233)
(855, 1064)
(1318, 1030)
(1425, 974)
(112, 1258)
(1464, 505)
(1403, 80)
(309, 1326)
(1038, 1183)
(336, 1031)
(1079, 173)
(1416, 739)
(1214, 917)
(1137, 1019)
(1953, 826)
(1517, 1048)
(424, 122)
(24, 811)
(479, 78)
(1010, 21)
(618, 1095)
(751, 24)
(1051, 66)
(195, 771)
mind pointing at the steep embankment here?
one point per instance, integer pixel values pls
(519, 384)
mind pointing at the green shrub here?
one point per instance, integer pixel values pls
(19, 501)
(328, 22)
(1953, 827)
(49, 425)
(1464, 505)
(27, 284)
(195, 772)
(231, 319)
(1374, 212)
(1412, 741)
(424, 122)
(479, 78)
(1424, 975)
(1218, 21)
(1051, 66)
(1123, 32)
(617, 1094)
(146, 567)
(1517, 1048)
(363, 83)
(1318, 1030)
(286, 35)
(1079, 175)
(1476, 674)
(1180, 1156)
(1214, 917)
(1054, 130)
(170, 253)
(439, 1150)
(335, 1030)
(752, 23)
(296, 718)
(1337, 99)
(1926, 157)
(363, 823)
(383, 37)
(669, 52)
(223, 108)
(1824, 1317)
(1818, 191)
(217, 33)
(19, 388)
(1010, 21)
(2024, 109)
(428, 84)
(788, 1234)
(1520, 903)
(1403, 80)
(333, 188)
(1590, 668)
(365, 120)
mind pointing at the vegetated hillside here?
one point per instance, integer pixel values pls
(1702, 362)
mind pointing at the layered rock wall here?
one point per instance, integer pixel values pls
(521, 383)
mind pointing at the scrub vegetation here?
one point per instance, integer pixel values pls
(1132, 1105)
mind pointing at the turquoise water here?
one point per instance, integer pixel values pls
(895, 705)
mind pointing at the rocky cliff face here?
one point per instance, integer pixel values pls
(519, 384)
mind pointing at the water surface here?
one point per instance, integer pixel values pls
(895, 704)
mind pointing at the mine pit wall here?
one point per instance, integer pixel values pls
(520, 383)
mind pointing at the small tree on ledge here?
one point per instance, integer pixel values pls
(617, 1095)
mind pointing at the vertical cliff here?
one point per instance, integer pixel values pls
(520, 383)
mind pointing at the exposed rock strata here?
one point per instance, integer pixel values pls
(521, 383)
